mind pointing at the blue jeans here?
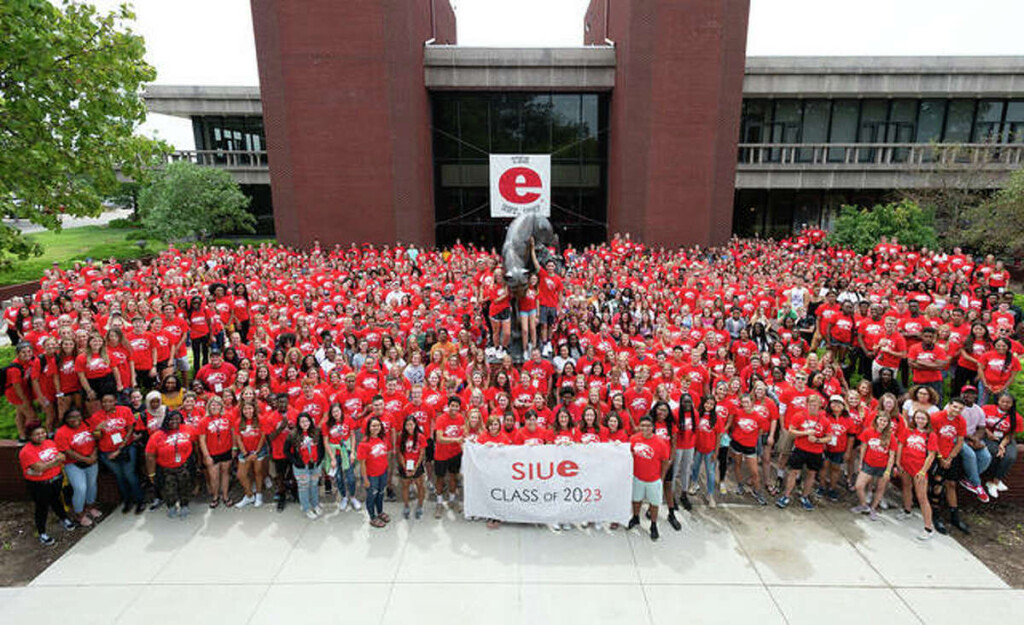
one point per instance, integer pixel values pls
(83, 485)
(975, 462)
(375, 495)
(309, 491)
(344, 479)
(124, 472)
(708, 461)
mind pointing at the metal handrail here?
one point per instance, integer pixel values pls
(904, 155)
(255, 159)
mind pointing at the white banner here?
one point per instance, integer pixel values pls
(548, 483)
(520, 185)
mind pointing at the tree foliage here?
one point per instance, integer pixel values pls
(860, 229)
(996, 226)
(188, 201)
(70, 84)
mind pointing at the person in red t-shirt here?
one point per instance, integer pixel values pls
(374, 453)
(41, 464)
(449, 432)
(744, 426)
(249, 440)
(114, 428)
(306, 453)
(950, 428)
(549, 294)
(651, 457)
(927, 361)
(809, 428)
(915, 456)
(167, 454)
(877, 456)
(412, 454)
(500, 312)
(76, 441)
(216, 441)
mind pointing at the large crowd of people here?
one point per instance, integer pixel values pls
(790, 370)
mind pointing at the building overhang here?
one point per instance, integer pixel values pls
(461, 68)
(189, 100)
(883, 76)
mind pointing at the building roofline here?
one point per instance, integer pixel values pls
(885, 64)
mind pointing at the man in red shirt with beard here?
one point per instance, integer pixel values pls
(809, 428)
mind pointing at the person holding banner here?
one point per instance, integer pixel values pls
(614, 428)
(531, 433)
(494, 436)
(650, 461)
(449, 431)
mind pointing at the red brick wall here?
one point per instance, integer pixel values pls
(347, 117)
(674, 115)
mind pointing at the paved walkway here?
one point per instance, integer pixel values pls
(28, 227)
(733, 564)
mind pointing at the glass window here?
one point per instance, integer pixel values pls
(506, 124)
(1014, 130)
(446, 127)
(987, 121)
(536, 115)
(929, 121)
(843, 128)
(959, 121)
(814, 128)
(565, 126)
(754, 121)
(873, 119)
(591, 125)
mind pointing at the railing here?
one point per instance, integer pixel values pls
(880, 155)
(235, 159)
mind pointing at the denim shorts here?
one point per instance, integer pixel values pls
(835, 457)
(872, 471)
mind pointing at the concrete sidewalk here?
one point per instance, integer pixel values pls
(732, 564)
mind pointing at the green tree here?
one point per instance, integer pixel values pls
(860, 229)
(189, 201)
(70, 84)
(996, 226)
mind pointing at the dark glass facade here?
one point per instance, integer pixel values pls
(876, 120)
(470, 126)
(233, 134)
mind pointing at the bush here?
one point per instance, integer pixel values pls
(996, 226)
(188, 201)
(124, 224)
(860, 229)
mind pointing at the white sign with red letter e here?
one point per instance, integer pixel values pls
(520, 185)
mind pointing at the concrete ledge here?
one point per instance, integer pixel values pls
(879, 177)
(590, 68)
(189, 100)
(897, 76)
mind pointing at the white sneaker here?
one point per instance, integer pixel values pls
(555, 527)
(343, 504)
(599, 527)
(311, 514)
(993, 490)
(356, 505)
(711, 501)
(1001, 487)
(318, 509)
(694, 488)
(268, 482)
(926, 534)
(884, 504)
(566, 526)
(258, 500)
(245, 501)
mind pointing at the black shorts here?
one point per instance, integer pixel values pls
(801, 459)
(224, 457)
(106, 385)
(835, 457)
(742, 450)
(504, 315)
(452, 465)
(952, 474)
(281, 467)
(163, 364)
(430, 450)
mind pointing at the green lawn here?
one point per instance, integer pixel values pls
(98, 242)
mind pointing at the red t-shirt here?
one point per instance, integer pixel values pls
(746, 427)
(172, 449)
(928, 356)
(524, 436)
(32, 453)
(374, 451)
(648, 454)
(79, 439)
(994, 369)
(916, 445)
(948, 430)
(450, 427)
(250, 435)
(218, 431)
(876, 452)
(119, 424)
(803, 420)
